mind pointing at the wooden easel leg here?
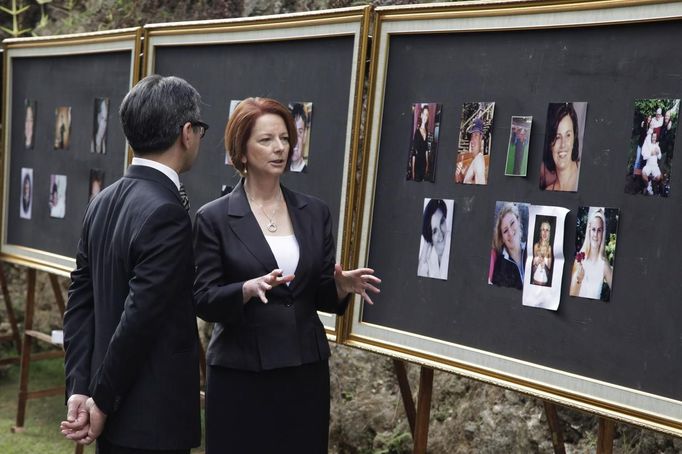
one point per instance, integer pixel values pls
(57, 289)
(555, 428)
(405, 393)
(421, 430)
(605, 435)
(26, 351)
(10, 310)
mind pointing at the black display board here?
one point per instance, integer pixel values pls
(289, 71)
(68, 72)
(313, 58)
(633, 341)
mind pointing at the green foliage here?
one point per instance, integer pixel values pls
(15, 12)
(610, 248)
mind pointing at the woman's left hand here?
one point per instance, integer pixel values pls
(356, 281)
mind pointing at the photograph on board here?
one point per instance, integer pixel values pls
(545, 258)
(652, 142)
(57, 196)
(473, 151)
(26, 203)
(423, 151)
(96, 182)
(434, 246)
(29, 122)
(517, 150)
(595, 238)
(99, 129)
(508, 252)
(303, 120)
(233, 105)
(62, 128)
(563, 147)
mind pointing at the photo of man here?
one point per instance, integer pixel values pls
(473, 156)
(62, 129)
(517, 150)
(26, 203)
(303, 116)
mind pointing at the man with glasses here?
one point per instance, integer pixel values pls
(130, 335)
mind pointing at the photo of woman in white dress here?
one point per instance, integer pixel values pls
(542, 254)
(592, 273)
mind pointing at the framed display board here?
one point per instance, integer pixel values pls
(63, 141)
(464, 70)
(313, 62)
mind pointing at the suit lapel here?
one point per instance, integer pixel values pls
(245, 226)
(302, 229)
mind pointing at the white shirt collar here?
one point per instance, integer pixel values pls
(170, 173)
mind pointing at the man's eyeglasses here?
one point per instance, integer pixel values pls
(203, 127)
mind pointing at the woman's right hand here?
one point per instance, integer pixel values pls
(258, 286)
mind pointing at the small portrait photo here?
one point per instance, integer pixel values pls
(508, 251)
(96, 182)
(99, 128)
(26, 203)
(29, 123)
(473, 153)
(421, 158)
(57, 196)
(560, 168)
(434, 246)
(517, 150)
(233, 105)
(303, 119)
(650, 155)
(62, 128)
(595, 243)
(543, 258)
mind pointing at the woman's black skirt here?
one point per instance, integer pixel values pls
(272, 411)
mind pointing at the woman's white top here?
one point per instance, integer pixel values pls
(594, 278)
(286, 251)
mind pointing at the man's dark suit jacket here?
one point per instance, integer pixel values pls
(129, 329)
(230, 248)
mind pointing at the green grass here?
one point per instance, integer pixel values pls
(41, 427)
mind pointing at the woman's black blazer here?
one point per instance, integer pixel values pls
(230, 248)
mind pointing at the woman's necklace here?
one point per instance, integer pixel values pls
(272, 225)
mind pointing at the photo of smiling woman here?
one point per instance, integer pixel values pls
(592, 273)
(434, 247)
(560, 168)
(508, 254)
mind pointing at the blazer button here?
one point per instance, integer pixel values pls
(289, 302)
